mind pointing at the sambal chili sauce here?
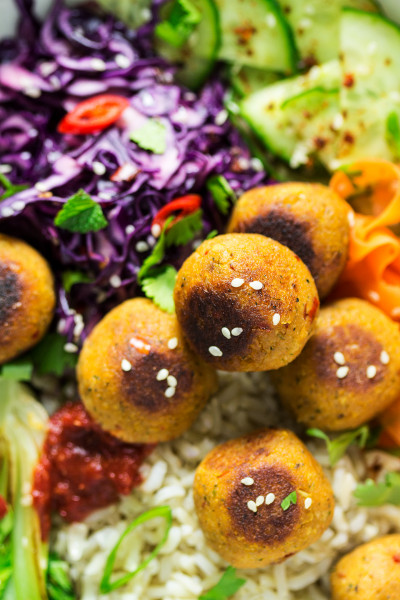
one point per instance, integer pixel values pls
(82, 468)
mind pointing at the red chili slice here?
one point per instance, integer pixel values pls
(185, 205)
(94, 114)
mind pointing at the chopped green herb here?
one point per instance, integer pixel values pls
(228, 585)
(49, 356)
(338, 446)
(152, 136)
(19, 369)
(222, 193)
(393, 133)
(10, 189)
(58, 583)
(377, 494)
(159, 285)
(106, 585)
(290, 499)
(70, 278)
(157, 254)
(181, 21)
(81, 214)
(212, 234)
(183, 231)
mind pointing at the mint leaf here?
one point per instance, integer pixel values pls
(9, 189)
(49, 355)
(222, 193)
(159, 285)
(290, 499)
(19, 370)
(184, 230)
(70, 278)
(228, 585)
(377, 494)
(81, 214)
(338, 446)
(181, 21)
(152, 136)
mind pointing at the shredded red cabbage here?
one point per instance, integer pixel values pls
(44, 71)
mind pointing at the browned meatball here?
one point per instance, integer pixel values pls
(138, 379)
(245, 302)
(27, 297)
(370, 572)
(309, 218)
(348, 372)
(261, 498)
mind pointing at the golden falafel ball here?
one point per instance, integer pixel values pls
(27, 297)
(370, 572)
(138, 379)
(309, 218)
(348, 372)
(261, 498)
(245, 302)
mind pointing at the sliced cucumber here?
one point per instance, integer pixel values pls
(315, 24)
(370, 45)
(256, 33)
(132, 12)
(196, 57)
(247, 80)
(269, 114)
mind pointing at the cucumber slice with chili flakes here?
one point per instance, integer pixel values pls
(246, 80)
(196, 55)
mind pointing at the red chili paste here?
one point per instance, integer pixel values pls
(82, 468)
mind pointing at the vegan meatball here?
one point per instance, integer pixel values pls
(370, 572)
(245, 302)
(348, 372)
(309, 218)
(27, 297)
(138, 379)
(261, 498)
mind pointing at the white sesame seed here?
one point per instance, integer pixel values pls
(71, 348)
(18, 205)
(342, 372)
(41, 187)
(384, 357)
(307, 503)
(105, 195)
(269, 498)
(276, 319)
(98, 168)
(156, 230)
(32, 92)
(122, 61)
(226, 333)
(259, 500)
(371, 371)
(215, 351)
(373, 296)
(4, 168)
(26, 155)
(339, 358)
(270, 20)
(115, 281)
(337, 122)
(221, 117)
(142, 246)
(169, 392)
(7, 212)
(126, 365)
(256, 285)
(237, 282)
(129, 229)
(236, 331)
(251, 505)
(172, 381)
(172, 343)
(147, 99)
(162, 374)
(395, 314)
(256, 164)
(247, 481)
(351, 219)
(98, 64)
(33, 132)
(243, 163)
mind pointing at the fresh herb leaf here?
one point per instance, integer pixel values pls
(106, 585)
(377, 494)
(70, 278)
(290, 499)
(393, 133)
(10, 189)
(228, 585)
(58, 583)
(159, 285)
(184, 230)
(152, 136)
(49, 355)
(157, 254)
(222, 193)
(212, 234)
(81, 214)
(19, 370)
(181, 21)
(338, 446)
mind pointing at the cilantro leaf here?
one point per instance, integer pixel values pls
(159, 285)
(49, 355)
(19, 369)
(157, 254)
(152, 136)
(70, 278)
(81, 214)
(290, 499)
(376, 494)
(10, 189)
(338, 446)
(393, 133)
(181, 21)
(222, 193)
(184, 230)
(228, 585)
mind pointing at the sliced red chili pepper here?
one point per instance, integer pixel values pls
(184, 206)
(3, 507)
(93, 114)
